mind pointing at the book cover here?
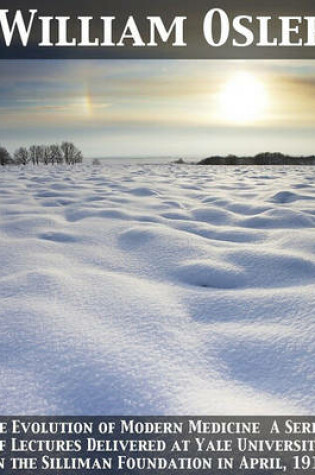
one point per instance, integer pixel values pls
(157, 236)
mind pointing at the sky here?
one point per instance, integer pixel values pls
(160, 108)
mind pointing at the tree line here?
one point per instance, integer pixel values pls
(267, 158)
(66, 153)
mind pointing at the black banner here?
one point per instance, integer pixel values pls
(142, 29)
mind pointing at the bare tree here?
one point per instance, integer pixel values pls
(79, 157)
(56, 155)
(35, 154)
(70, 153)
(5, 157)
(41, 153)
(21, 156)
(32, 154)
(47, 154)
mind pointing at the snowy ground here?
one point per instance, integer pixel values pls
(157, 290)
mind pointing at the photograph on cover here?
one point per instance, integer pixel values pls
(156, 237)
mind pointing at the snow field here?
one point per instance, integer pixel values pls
(138, 289)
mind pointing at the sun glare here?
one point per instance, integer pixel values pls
(243, 99)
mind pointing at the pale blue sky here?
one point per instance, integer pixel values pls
(159, 108)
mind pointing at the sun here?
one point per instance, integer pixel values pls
(243, 99)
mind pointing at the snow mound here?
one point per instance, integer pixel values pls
(286, 197)
(211, 274)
